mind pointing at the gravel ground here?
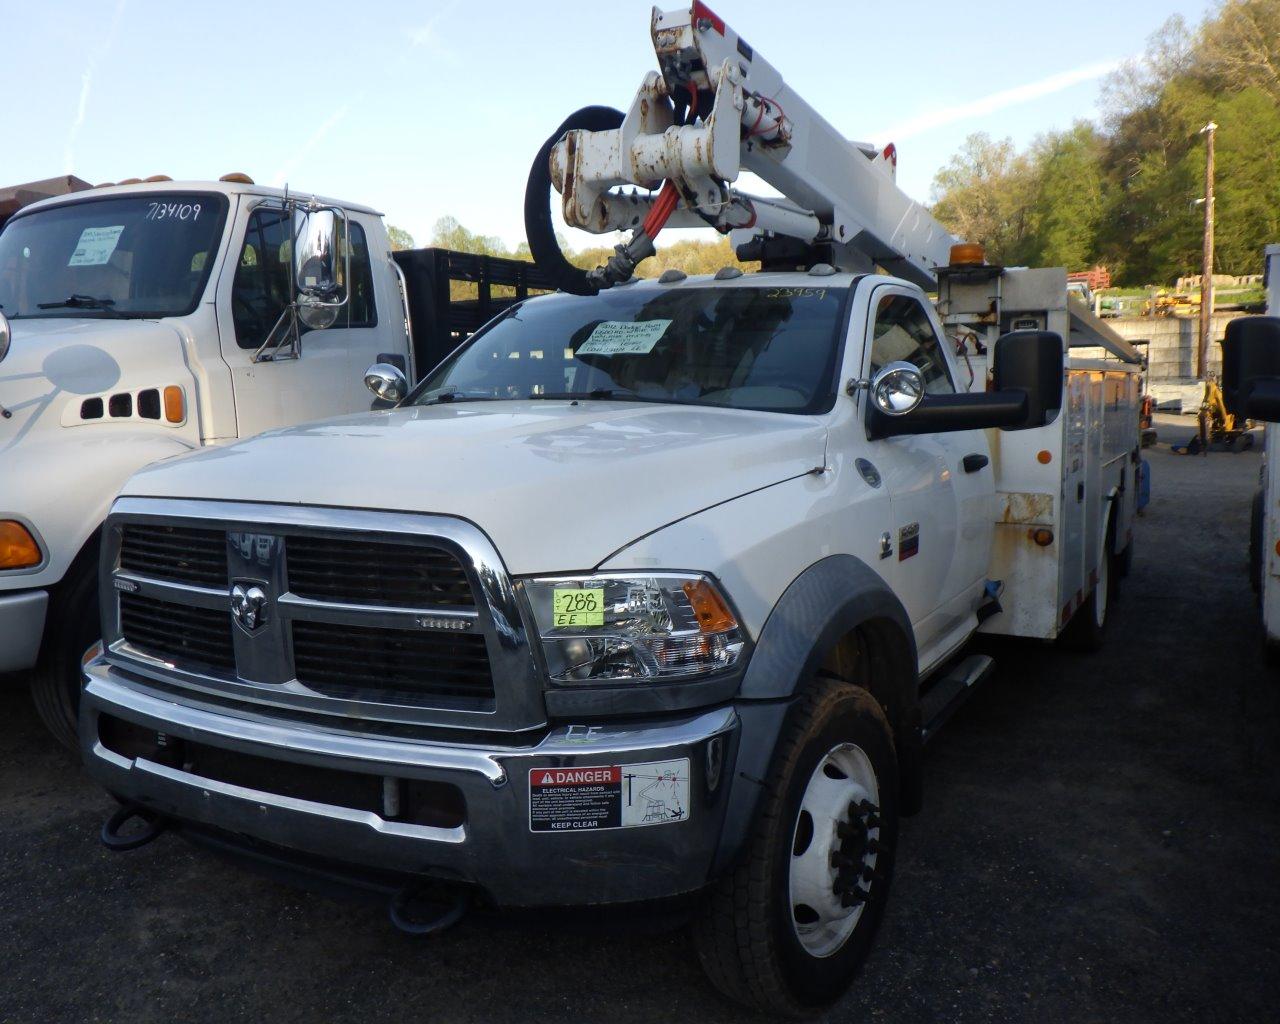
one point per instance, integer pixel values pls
(1101, 842)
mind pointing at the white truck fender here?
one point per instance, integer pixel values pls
(65, 493)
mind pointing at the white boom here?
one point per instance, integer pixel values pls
(718, 108)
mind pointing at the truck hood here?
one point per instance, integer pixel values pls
(58, 361)
(557, 486)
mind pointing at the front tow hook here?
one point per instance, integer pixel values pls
(115, 838)
(416, 910)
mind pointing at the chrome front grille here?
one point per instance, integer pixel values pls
(409, 617)
(349, 660)
(378, 573)
(175, 553)
(163, 629)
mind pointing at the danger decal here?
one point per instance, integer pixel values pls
(591, 797)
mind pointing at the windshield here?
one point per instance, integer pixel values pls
(133, 256)
(743, 347)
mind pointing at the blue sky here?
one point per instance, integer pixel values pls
(433, 108)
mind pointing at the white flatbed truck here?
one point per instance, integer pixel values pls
(152, 318)
(653, 591)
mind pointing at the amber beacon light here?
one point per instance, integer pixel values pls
(968, 254)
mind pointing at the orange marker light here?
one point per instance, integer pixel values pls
(1044, 456)
(1043, 536)
(18, 549)
(175, 407)
(713, 615)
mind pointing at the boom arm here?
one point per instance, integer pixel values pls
(715, 109)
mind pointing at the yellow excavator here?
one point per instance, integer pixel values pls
(1218, 425)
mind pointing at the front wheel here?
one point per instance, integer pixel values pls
(72, 634)
(787, 930)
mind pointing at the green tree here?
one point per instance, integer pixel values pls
(400, 238)
(1066, 196)
(1239, 48)
(1125, 192)
(449, 234)
(982, 195)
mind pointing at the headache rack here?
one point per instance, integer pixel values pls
(453, 294)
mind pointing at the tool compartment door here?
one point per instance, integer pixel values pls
(1072, 532)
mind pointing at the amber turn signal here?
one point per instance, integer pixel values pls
(713, 614)
(175, 408)
(1042, 536)
(18, 549)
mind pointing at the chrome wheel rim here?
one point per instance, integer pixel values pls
(833, 853)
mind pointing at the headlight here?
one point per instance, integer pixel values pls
(619, 626)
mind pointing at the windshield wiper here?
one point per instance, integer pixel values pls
(82, 302)
(600, 394)
(453, 395)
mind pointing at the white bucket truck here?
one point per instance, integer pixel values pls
(145, 320)
(653, 591)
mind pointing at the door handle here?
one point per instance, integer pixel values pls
(974, 462)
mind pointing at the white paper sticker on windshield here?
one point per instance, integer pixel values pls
(619, 337)
(95, 246)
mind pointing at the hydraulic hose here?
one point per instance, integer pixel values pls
(537, 204)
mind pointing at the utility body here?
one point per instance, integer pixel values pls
(651, 589)
(149, 320)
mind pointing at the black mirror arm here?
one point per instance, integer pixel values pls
(939, 414)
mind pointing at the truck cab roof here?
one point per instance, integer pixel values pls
(227, 188)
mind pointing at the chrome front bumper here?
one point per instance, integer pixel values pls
(22, 618)
(493, 848)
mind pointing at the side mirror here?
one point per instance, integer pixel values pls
(6, 336)
(386, 382)
(320, 280)
(1031, 362)
(897, 388)
(1251, 368)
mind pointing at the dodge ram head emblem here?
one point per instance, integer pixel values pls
(248, 605)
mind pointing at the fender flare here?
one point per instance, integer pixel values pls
(823, 605)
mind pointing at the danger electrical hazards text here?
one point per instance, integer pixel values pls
(608, 796)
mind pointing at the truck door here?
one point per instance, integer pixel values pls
(940, 486)
(327, 378)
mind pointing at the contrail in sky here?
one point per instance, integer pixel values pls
(943, 116)
(425, 35)
(282, 175)
(86, 85)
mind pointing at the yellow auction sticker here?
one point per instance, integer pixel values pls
(577, 607)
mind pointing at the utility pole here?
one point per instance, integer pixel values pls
(1206, 268)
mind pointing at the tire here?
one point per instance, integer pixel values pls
(1086, 632)
(1124, 563)
(73, 628)
(753, 944)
